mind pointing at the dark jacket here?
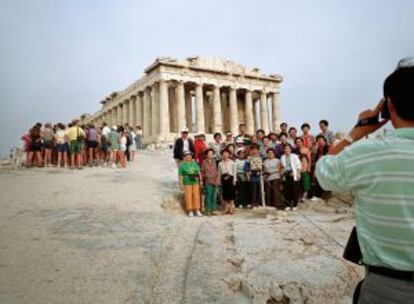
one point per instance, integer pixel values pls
(178, 148)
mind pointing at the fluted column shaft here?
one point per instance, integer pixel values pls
(154, 109)
(125, 113)
(249, 112)
(234, 120)
(181, 106)
(264, 112)
(199, 103)
(119, 114)
(146, 128)
(164, 108)
(276, 111)
(131, 111)
(217, 112)
(138, 109)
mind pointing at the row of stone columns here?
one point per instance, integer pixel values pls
(150, 109)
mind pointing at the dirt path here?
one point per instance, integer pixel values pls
(118, 236)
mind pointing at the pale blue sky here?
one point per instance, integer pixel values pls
(59, 58)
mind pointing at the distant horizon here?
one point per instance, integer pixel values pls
(59, 59)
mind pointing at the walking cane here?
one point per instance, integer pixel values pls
(262, 190)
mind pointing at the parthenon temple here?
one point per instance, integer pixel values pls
(206, 95)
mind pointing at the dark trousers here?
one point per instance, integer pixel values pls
(243, 193)
(273, 191)
(291, 190)
(255, 193)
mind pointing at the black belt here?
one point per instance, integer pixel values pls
(392, 273)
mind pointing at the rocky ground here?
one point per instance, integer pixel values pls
(106, 235)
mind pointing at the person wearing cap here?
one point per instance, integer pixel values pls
(190, 180)
(242, 185)
(229, 139)
(181, 145)
(210, 176)
(76, 136)
(239, 145)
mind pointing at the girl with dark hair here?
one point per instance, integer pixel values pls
(210, 181)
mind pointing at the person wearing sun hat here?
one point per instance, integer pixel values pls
(181, 145)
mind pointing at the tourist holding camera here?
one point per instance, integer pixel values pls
(380, 174)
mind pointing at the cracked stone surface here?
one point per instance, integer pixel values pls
(119, 236)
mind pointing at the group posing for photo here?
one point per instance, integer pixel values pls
(273, 170)
(75, 146)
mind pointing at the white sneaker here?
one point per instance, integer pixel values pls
(295, 208)
(288, 208)
(249, 206)
(199, 214)
(313, 199)
(190, 214)
(240, 206)
(113, 166)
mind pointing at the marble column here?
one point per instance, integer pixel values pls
(276, 112)
(131, 111)
(217, 112)
(188, 109)
(199, 108)
(181, 106)
(119, 114)
(249, 112)
(264, 112)
(146, 128)
(164, 108)
(234, 120)
(138, 110)
(125, 113)
(114, 116)
(155, 113)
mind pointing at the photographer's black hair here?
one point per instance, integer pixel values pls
(283, 134)
(399, 86)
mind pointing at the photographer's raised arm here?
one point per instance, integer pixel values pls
(359, 132)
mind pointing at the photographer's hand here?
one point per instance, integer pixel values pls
(359, 132)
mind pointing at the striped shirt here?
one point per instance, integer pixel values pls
(380, 174)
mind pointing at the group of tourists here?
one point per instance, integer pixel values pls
(75, 146)
(248, 171)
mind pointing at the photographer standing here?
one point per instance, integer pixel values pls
(380, 174)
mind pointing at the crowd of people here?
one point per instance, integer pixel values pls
(75, 146)
(248, 171)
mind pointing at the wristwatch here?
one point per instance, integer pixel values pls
(348, 138)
